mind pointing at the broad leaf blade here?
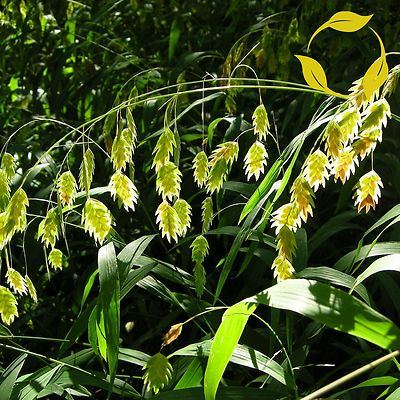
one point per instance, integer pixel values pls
(332, 307)
(233, 322)
(387, 263)
(109, 298)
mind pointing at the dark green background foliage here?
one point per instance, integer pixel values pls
(73, 61)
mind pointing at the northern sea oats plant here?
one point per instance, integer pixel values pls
(186, 179)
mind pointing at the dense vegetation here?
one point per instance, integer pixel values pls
(161, 162)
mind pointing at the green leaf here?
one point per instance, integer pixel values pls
(133, 357)
(34, 387)
(242, 355)
(369, 250)
(335, 277)
(132, 251)
(387, 263)
(318, 301)
(227, 337)
(78, 327)
(174, 36)
(9, 376)
(88, 288)
(192, 376)
(109, 298)
(332, 307)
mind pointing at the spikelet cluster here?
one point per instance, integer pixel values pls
(8, 165)
(66, 186)
(131, 126)
(207, 213)
(158, 373)
(31, 288)
(16, 281)
(86, 170)
(368, 191)
(168, 182)
(8, 306)
(287, 215)
(344, 165)
(348, 136)
(55, 258)
(349, 122)
(221, 160)
(374, 119)
(391, 83)
(283, 268)
(261, 122)
(201, 169)
(302, 196)
(174, 220)
(4, 190)
(123, 147)
(217, 176)
(333, 139)
(200, 249)
(286, 220)
(357, 95)
(97, 219)
(48, 229)
(316, 169)
(13, 219)
(255, 160)
(164, 149)
(228, 151)
(184, 212)
(123, 189)
(168, 221)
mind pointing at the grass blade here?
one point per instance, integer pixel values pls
(109, 298)
(10, 375)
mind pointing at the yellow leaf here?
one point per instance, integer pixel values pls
(315, 76)
(343, 21)
(377, 73)
(313, 73)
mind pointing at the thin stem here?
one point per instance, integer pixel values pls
(351, 375)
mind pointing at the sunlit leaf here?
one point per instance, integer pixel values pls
(377, 73)
(343, 21)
